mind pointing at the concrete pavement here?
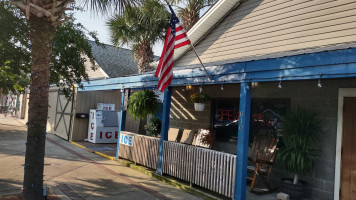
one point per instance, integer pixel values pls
(74, 172)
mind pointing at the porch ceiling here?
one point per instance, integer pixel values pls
(330, 64)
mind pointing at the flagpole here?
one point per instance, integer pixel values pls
(206, 72)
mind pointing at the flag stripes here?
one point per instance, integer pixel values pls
(176, 37)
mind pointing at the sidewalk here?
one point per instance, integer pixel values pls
(74, 172)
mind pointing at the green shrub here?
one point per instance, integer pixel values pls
(142, 104)
(153, 127)
(199, 97)
(301, 130)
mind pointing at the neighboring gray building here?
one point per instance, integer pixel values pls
(114, 61)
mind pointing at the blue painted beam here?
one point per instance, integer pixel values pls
(122, 121)
(332, 64)
(242, 142)
(304, 60)
(165, 125)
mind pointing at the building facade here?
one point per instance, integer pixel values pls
(268, 55)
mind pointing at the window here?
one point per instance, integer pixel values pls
(266, 115)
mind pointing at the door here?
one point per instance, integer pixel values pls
(348, 152)
(63, 115)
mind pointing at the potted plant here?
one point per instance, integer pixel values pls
(153, 127)
(199, 100)
(301, 130)
(142, 104)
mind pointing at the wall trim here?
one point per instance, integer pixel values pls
(321, 65)
(343, 92)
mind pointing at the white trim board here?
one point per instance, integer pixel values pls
(343, 92)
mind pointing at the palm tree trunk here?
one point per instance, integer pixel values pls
(190, 17)
(41, 36)
(144, 56)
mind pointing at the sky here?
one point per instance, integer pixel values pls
(97, 22)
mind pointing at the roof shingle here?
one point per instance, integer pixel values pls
(116, 62)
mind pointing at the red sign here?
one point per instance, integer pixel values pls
(227, 114)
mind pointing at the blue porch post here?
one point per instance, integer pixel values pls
(242, 142)
(121, 122)
(165, 125)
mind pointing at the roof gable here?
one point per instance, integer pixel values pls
(206, 23)
(259, 29)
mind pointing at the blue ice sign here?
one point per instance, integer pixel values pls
(126, 139)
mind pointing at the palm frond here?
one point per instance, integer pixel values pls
(110, 6)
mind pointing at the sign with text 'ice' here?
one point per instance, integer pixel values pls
(126, 139)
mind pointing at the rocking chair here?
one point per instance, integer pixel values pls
(264, 150)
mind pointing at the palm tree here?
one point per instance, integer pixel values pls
(140, 26)
(43, 17)
(189, 14)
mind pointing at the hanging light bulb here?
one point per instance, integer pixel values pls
(183, 89)
(319, 83)
(222, 87)
(248, 86)
(201, 88)
(280, 84)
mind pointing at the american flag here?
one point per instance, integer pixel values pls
(176, 37)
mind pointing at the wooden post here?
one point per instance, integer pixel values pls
(122, 120)
(242, 142)
(165, 125)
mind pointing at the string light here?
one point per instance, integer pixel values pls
(222, 87)
(188, 87)
(319, 82)
(280, 84)
(201, 88)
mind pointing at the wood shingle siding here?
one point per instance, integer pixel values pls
(260, 28)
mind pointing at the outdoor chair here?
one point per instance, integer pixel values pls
(173, 134)
(264, 149)
(205, 138)
(188, 136)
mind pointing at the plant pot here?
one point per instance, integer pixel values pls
(295, 191)
(199, 106)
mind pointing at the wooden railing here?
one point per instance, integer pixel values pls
(144, 151)
(204, 167)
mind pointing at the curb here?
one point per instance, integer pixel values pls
(96, 152)
(151, 173)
